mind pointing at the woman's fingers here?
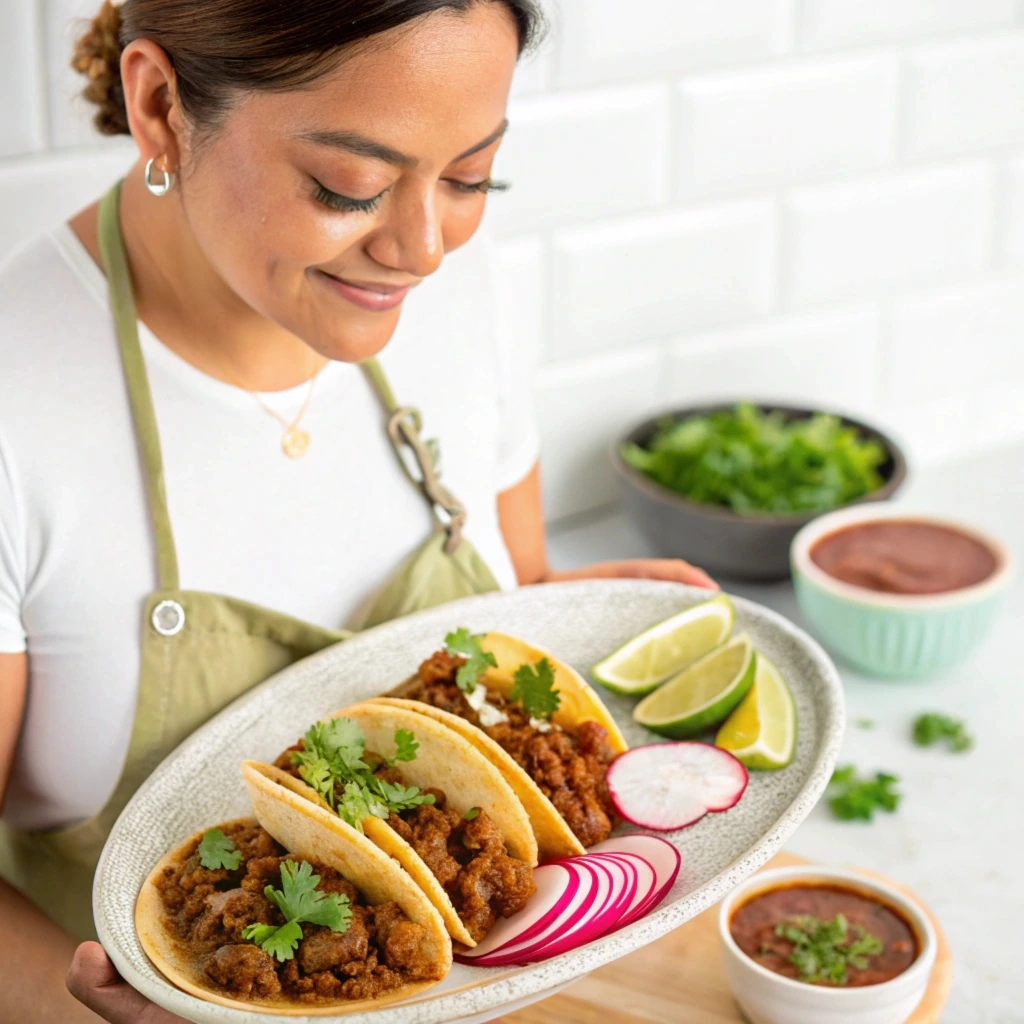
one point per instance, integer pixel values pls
(675, 570)
(92, 980)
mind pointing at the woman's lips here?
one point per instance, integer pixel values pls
(377, 298)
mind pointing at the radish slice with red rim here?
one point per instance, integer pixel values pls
(571, 911)
(556, 887)
(668, 786)
(594, 925)
(646, 882)
(660, 855)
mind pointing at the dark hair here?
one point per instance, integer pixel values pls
(220, 47)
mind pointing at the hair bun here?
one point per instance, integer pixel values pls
(97, 55)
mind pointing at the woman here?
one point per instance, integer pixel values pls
(181, 406)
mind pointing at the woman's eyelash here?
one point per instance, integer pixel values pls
(490, 185)
(346, 204)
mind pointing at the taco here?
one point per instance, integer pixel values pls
(291, 912)
(429, 799)
(536, 720)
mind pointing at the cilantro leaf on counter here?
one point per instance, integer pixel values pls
(299, 901)
(865, 723)
(930, 729)
(753, 461)
(405, 746)
(217, 851)
(468, 646)
(534, 688)
(853, 798)
(824, 951)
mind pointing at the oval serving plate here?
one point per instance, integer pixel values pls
(199, 783)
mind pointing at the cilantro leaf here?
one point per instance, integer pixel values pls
(824, 951)
(217, 851)
(316, 772)
(402, 798)
(472, 813)
(754, 461)
(930, 729)
(534, 688)
(280, 942)
(853, 798)
(468, 646)
(337, 739)
(406, 746)
(300, 900)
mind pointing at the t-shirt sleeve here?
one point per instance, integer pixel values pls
(12, 561)
(518, 435)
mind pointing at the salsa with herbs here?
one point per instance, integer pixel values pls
(825, 935)
(904, 557)
(568, 767)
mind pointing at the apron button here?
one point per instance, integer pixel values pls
(168, 618)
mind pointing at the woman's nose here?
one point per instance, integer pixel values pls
(412, 240)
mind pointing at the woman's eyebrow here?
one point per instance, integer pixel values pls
(352, 142)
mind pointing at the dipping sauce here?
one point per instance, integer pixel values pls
(904, 557)
(753, 930)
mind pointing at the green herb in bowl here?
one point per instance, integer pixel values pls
(754, 462)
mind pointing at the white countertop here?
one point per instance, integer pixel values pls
(958, 836)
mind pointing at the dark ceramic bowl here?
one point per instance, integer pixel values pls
(749, 547)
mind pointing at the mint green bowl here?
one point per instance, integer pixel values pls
(895, 636)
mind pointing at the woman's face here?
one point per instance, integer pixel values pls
(320, 207)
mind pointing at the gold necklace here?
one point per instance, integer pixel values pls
(294, 441)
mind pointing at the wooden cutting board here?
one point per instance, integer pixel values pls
(680, 978)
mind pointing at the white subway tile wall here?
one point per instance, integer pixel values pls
(813, 200)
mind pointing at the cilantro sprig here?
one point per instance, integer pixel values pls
(853, 798)
(217, 851)
(930, 729)
(534, 688)
(468, 646)
(824, 951)
(332, 761)
(300, 902)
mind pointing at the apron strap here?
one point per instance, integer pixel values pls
(122, 305)
(404, 426)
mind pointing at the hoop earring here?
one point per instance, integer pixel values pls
(158, 188)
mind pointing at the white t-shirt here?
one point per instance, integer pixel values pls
(313, 537)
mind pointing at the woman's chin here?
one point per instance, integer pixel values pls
(355, 338)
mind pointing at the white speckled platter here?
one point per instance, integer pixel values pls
(577, 622)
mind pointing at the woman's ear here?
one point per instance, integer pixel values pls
(151, 98)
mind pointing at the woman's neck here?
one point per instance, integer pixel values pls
(185, 303)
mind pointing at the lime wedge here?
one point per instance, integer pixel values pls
(641, 665)
(761, 732)
(703, 694)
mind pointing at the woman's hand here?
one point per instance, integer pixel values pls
(675, 570)
(94, 981)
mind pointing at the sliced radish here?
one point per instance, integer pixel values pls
(668, 786)
(646, 884)
(574, 906)
(556, 887)
(661, 856)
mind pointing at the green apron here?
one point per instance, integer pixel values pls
(201, 651)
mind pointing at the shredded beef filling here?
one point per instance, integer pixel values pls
(207, 911)
(468, 858)
(569, 768)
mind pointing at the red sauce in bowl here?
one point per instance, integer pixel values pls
(753, 927)
(904, 557)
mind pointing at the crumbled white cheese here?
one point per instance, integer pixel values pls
(477, 697)
(490, 715)
(540, 725)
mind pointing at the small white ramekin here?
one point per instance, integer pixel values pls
(769, 998)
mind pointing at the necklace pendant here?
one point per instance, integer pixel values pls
(295, 443)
